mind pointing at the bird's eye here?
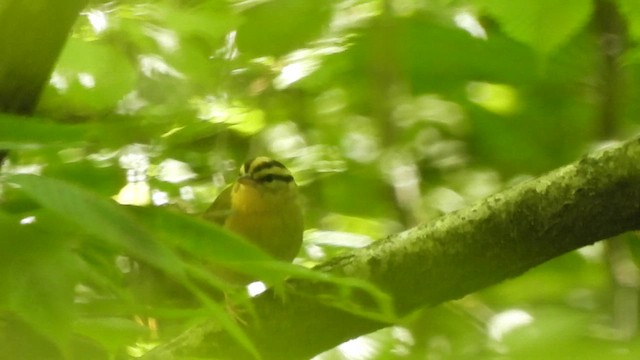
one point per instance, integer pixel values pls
(268, 178)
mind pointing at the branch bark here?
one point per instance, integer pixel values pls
(30, 42)
(499, 238)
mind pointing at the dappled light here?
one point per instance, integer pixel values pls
(467, 21)
(28, 220)
(152, 66)
(256, 288)
(98, 20)
(507, 321)
(498, 98)
(293, 72)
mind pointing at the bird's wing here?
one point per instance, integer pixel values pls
(221, 207)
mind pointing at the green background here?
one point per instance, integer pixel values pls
(390, 113)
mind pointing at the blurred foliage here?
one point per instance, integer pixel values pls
(389, 112)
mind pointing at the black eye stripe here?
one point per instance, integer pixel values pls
(273, 177)
(264, 165)
(265, 170)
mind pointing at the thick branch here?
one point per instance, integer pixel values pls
(30, 44)
(462, 252)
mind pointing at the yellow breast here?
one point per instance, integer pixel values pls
(270, 219)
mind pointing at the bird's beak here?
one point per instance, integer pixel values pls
(246, 180)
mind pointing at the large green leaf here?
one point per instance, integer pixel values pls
(199, 237)
(210, 243)
(38, 273)
(19, 132)
(280, 26)
(89, 77)
(117, 227)
(99, 217)
(542, 24)
(111, 333)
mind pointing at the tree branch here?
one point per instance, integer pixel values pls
(30, 44)
(460, 253)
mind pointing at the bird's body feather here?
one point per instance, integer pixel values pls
(262, 206)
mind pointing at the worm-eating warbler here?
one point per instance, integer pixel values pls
(262, 206)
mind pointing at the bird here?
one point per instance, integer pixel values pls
(263, 206)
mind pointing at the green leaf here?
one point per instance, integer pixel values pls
(89, 77)
(117, 227)
(38, 273)
(209, 20)
(279, 26)
(199, 236)
(111, 333)
(209, 243)
(101, 218)
(542, 24)
(20, 132)
(212, 244)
